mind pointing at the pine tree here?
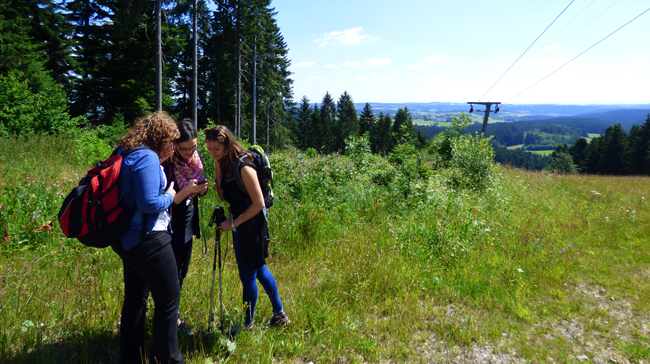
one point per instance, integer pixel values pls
(403, 130)
(639, 148)
(327, 123)
(366, 120)
(613, 160)
(303, 118)
(348, 122)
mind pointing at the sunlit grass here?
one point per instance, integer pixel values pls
(365, 274)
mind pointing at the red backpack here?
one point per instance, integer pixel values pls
(91, 212)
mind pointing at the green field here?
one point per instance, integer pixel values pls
(591, 135)
(542, 152)
(373, 265)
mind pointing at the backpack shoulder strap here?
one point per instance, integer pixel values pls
(236, 170)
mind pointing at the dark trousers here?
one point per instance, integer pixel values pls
(150, 267)
(183, 255)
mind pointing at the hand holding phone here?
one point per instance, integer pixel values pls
(202, 182)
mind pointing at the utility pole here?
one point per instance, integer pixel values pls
(487, 105)
(195, 68)
(255, 92)
(158, 57)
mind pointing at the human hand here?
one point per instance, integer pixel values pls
(170, 190)
(194, 188)
(226, 225)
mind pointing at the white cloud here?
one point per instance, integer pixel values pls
(330, 66)
(351, 64)
(339, 80)
(434, 59)
(374, 73)
(362, 78)
(416, 66)
(345, 37)
(304, 64)
(381, 78)
(553, 47)
(316, 77)
(378, 62)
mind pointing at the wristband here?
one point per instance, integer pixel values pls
(232, 225)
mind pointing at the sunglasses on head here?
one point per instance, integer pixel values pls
(211, 134)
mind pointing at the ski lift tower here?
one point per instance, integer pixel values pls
(487, 105)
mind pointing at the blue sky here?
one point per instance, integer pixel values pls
(453, 51)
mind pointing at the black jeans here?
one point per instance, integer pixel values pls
(183, 254)
(150, 267)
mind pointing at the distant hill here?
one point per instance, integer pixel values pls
(521, 112)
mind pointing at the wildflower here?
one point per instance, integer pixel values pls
(520, 270)
(570, 245)
(590, 252)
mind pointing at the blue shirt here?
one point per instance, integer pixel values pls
(142, 183)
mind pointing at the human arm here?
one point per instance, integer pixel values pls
(146, 176)
(249, 177)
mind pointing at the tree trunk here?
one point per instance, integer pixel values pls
(158, 57)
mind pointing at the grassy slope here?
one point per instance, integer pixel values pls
(542, 268)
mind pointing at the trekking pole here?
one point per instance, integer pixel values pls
(218, 217)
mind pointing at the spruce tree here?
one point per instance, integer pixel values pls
(366, 119)
(348, 122)
(327, 123)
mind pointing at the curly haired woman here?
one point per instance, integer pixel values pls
(145, 249)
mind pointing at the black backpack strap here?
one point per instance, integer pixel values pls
(236, 170)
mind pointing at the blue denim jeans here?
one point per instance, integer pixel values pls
(248, 279)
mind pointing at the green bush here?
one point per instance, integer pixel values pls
(472, 162)
(23, 110)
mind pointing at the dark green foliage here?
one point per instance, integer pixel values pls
(561, 161)
(520, 159)
(615, 152)
(327, 125)
(348, 123)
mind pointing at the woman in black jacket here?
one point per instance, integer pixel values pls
(248, 223)
(185, 169)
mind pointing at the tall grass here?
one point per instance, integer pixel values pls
(372, 265)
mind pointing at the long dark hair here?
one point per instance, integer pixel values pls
(233, 149)
(187, 130)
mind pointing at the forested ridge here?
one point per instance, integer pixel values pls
(91, 64)
(95, 59)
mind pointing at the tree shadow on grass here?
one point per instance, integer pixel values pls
(104, 347)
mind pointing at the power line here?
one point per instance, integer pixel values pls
(583, 52)
(526, 50)
(594, 19)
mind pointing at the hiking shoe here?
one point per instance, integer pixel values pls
(184, 329)
(279, 319)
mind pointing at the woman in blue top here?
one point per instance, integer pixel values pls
(248, 220)
(145, 249)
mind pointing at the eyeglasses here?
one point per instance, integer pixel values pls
(183, 150)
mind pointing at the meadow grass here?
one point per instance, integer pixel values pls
(539, 267)
(542, 152)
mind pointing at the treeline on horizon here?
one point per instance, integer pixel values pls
(92, 62)
(616, 152)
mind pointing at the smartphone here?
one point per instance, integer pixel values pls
(202, 182)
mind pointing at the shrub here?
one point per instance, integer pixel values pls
(24, 110)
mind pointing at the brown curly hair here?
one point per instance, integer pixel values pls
(157, 131)
(233, 149)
